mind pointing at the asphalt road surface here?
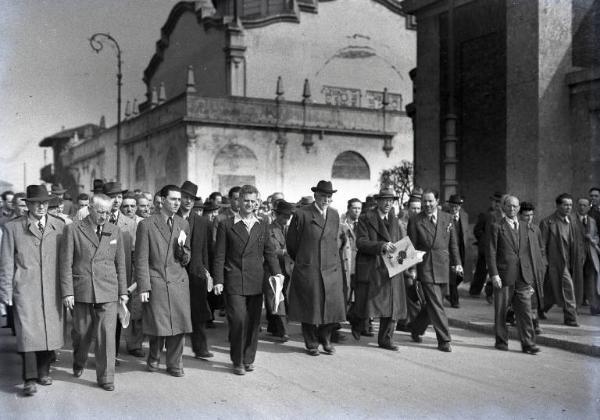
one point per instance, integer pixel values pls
(359, 381)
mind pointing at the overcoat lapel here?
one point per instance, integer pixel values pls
(317, 217)
(254, 233)
(508, 231)
(163, 228)
(379, 226)
(240, 230)
(429, 227)
(33, 228)
(88, 232)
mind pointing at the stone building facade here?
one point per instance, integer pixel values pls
(275, 93)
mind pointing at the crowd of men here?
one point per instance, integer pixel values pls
(161, 265)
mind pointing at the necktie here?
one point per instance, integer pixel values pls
(99, 232)
(456, 217)
(170, 223)
(113, 218)
(584, 220)
(41, 227)
(432, 218)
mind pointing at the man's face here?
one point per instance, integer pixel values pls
(454, 208)
(172, 202)
(354, 210)
(117, 201)
(414, 207)
(20, 207)
(8, 203)
(37, 209)
(143, 207)
(248, 204)
(595, 197)
(429, 203)
(157, 203)
(511, 207)
(496, 205)
(99, 212)
(212, 214)
(323, 200)
(565, 206)
(129, 207)
(283, 219)
(198, 210)
(527, 216)
(583, 206)
(218, 199)
(385, 204)
(187, 201)
(83, 203)
(234, 201)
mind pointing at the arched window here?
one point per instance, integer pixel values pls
(350, 165)
(140, 171)
(172, 167)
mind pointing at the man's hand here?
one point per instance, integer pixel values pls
(8, 302)
(496, 282)
(145, 297)
(218, 289)
(459, 270)
(389, 248)
(69, 302)
(124, 299)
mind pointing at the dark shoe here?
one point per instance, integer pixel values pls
(45, 380)
(389, 346)
(249, 367)
(285, 338)
(541, 314)
(204, 355)
(313, 352)
(239, 370)
(152, 366)
(29, 388)
(538, 330)
(328, 349)
(416, 337)
(77, 372)
(137, 352)
(445, 347)
(489, 299)
(501, 346)
(401, 326)
(531, 349)
(356, 334)
(108, 387)
(571, 323)
(455, 305)
(117, 362)
(178, 373)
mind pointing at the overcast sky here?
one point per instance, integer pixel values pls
(50, 77)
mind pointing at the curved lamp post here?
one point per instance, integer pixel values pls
(96, 42)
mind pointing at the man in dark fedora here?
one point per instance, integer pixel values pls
(316, 296)
(127, 226)
(30, 285)
(57, 190)
(461, 224)
(188, 198)
(210, 213)
(377, 295)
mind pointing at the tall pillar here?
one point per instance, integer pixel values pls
(236, 60)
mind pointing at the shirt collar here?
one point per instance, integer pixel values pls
(382, 215)
(319, 209)
(35, 221)
(252, 218)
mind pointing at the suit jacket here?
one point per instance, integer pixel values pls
(239, 257)
(160, 269)
(439, 243)
(128, 227)
(277, 238)
(589, 236)
(200, 242)
(92, 270)
(29, 276)
(316, 288)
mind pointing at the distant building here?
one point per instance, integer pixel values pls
(278, 93)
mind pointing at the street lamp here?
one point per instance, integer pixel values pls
(96, 42)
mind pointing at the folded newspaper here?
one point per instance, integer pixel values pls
(404, 257)
(124, 314)
(209, 281)
(276, 283)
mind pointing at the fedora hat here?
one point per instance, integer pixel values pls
(210, 205)
(283, 207)
(98, 186)
(189, 188)
(57, 189)
(37, 193)
(324, 187)
(198, 204)
(54, 202)
(455, 199)
(387, 192)
(113, 188)
(497, 196)
(306, 200)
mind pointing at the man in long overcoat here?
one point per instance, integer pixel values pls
(591, 268)
(316, 297)
(377, 295)
(432, 231)
(566, 256)
(461, 225)
(29, 282)
(160, 260)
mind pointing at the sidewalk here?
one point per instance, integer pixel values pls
(477, 315)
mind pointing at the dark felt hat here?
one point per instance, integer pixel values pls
(189, 188)
(527, 206)
(306, 200)
(111, 188)
(210, 205)
(37, 193)
(496, 196)
(455, 199)
(57, 189)
(98, 186)
(54, 202)
(387, 192)
(324, 187)
(283, 207)
(198, 204)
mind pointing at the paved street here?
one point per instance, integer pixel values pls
(360, 381)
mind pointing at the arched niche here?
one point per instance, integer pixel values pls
(350, 165)
(234, 165)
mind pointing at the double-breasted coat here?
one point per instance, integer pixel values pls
(29, 276)
(160, 269)
(377, 294)
(439, 243)
(316, 287)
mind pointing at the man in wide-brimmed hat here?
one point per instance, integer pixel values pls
(316, 297)
(37, 305)
(377, 295)
(461, 224)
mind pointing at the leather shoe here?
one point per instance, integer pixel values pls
(29, 388)
(108, 387)
(416, 337)
(204, 355)
(249, 367)
(531, 349)
(356, 334)
(445, 347)
(501, 346)
(137, 352)
(152, 366)
(284, 338)
(389, 346)
(313, 352)
(45, 380)
(77, 372)
(541, 314)
(239, 370)
(328, 349)
(571, 323)
(178, 373)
